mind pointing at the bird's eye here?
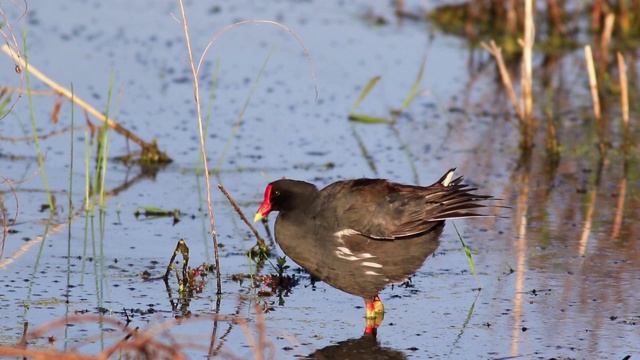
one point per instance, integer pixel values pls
(275, 193)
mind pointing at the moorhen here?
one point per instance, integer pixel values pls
(360, 235)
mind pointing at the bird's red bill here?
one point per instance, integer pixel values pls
(265, 207)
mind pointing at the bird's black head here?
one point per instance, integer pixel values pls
(286, 195)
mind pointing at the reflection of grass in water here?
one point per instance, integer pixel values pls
(354, 117)
(466, 321)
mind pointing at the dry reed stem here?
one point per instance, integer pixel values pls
(624, 98)
(9, 36)
(527, 67)
(6, 31)
(194, 72)
(244, 218)
(609, 20)
(496, 52)
(73, 97)
(3, 211)
(42, 354)
(25, 91)
(593, 82)
(137, 343)
(196, 91)
(44, 136)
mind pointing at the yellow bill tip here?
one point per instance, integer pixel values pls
(257, 217)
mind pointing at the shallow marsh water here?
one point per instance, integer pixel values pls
(559, 271)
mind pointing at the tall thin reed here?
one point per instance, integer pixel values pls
(196, 90)
(605, 39)
(496, 52)
(195, 70)
(72, 133)
(34, 127)
(103, 151)
(527, 67)
(527, 74)
(87, 173)
(524, 109)
(624, 100)
(593, 86)
(593, 82)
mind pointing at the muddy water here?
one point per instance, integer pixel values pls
(558, 270)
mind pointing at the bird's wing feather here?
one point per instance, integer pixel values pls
(383, 210)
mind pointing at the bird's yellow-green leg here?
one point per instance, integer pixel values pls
(374, 315)
(374, 308)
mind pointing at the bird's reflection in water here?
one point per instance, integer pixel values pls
(366, 347)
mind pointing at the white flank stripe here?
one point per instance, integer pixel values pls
(345, 250)
(342, 255)
(371, 264)
(344, 232)
(371, 273)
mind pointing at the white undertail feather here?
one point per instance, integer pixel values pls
(448, 178)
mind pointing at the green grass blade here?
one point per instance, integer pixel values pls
(103, 150)
(154, 211)
(369, 119)
(5, 99)
(413, 93)
(88, 203)
(364, 93)
(71, 162)
(467, 252)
